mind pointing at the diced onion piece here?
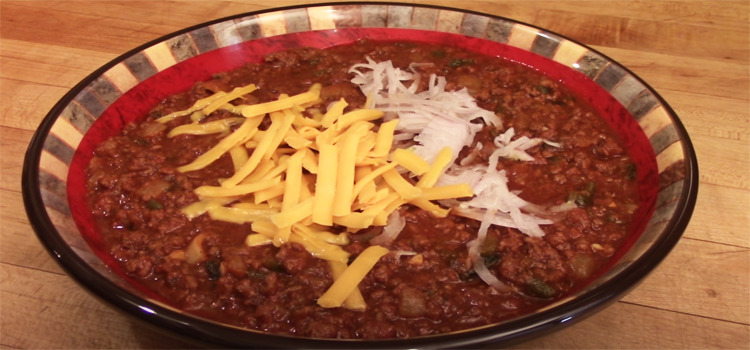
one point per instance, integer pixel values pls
(351, 277)
(195, 252)
(177, 254)
(395, 225)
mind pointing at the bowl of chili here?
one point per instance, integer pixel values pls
(499, 181)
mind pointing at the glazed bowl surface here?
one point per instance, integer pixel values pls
(126, 88)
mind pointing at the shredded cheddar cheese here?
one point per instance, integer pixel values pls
(310, 174)
(347, 282)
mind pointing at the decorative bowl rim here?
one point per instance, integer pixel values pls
(201, 330)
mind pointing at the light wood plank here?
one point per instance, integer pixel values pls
(626, 326)
(88, 32)
(695, 53)
(708, 14)
(608, 28)
(721, 216)
(18, 244)
(725, 163)
(700, 278)
(685, 74)
(23, 105)
(722, 118)
(53, 64)
(57, 300)
(13, 144)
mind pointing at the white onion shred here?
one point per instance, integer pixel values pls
(400, 253)
(436, 118)
(391, 230)
(437, 115)
(515, 149)
(479, 267)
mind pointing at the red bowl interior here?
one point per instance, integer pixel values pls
(138, 101)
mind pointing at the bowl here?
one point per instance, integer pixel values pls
(129, 86)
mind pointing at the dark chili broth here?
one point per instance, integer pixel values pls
(135, 195)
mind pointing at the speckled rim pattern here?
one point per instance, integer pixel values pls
(54, 144)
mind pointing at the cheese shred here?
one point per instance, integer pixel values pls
(311, 174)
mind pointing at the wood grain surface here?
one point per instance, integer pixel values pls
(695, 53)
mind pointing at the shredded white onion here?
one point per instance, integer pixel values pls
(515, 149)
(435, 114)
(400, 253)
(479, 267)
(391, 230)
(436, 118)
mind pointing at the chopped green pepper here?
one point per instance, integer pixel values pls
(584, 197)
(153, 204)
(213, 267)
(540, 289)
(438, 53)
(323, 72)
(460, 62)
(491, 260)
(274, 265)
(544, 89)
(255, 275)
(489, 246)
(631, 171)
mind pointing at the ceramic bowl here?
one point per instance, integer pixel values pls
(126, 88)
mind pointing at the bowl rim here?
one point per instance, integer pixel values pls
(206, 331)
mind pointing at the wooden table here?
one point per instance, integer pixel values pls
(695, 53)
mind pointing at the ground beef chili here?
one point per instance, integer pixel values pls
(135, 194)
